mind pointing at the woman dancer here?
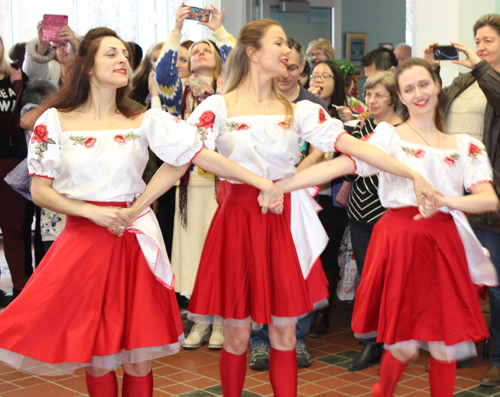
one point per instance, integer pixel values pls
(97, 299)
(416, 289)
(253, 267)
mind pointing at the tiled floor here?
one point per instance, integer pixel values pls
(196, 373)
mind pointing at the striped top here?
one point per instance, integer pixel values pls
(364, 204)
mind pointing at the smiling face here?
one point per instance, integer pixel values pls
(325, 85)
(183, 62)
(418, 91)
(202, 59)
(291, 80)
(273, 56)
(111, 64)
(488, 46)
(378, 100)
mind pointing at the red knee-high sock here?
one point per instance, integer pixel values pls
(137, 386)
(283, 372)
(389, 374)
(442, 377)
(102, 386)
(232, 373)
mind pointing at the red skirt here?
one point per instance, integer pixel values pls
(416, 283)
(249, 267)
(93, 299)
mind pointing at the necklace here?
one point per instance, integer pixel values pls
(253, 103)
(99, 126)
(261, 107)
(418, 134)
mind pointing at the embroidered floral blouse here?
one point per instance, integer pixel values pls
(107, 165)
(449, 171)
(266, 145)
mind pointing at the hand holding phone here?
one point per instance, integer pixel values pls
(51, 25)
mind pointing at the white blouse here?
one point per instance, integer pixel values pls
(448, 170)
(266, 145)
(107, 166)
(269, 146)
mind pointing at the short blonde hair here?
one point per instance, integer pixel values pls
(4, 63)
(324, 45)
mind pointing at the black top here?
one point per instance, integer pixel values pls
(12, 143)
(364, 204)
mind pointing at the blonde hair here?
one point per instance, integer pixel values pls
(215, 51)
(4, 63)
(238, 62)
(324, 45)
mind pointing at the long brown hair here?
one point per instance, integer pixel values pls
(75, 92)
(439, 113)
(238, 63)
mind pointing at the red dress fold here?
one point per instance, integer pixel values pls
(249, 265)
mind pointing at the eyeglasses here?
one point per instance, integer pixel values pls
(323, 77)
(314, 55)
(378, 97)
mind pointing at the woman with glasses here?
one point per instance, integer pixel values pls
(319, 50)
(364, 208)
(327, 81)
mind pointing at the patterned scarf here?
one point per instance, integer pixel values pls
(197, 91)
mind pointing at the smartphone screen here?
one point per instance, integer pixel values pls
(445, 53)
(52, 23)
(198, 14)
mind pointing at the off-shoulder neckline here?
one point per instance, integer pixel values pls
(58, 123)
(457, 140)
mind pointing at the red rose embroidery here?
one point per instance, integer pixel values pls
(474, 150)
(448, 160)
(243, 126)
(177, 119)
(284, 125)
(419, 153)
(40, 134)
(118, 138)
(90, 142)
(322, 116)
(207, 119)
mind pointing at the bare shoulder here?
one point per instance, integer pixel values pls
(78, 120)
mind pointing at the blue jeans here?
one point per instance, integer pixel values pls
(360, 238)
(491, 240)
(261, 337)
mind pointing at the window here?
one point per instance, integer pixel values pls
(144, 22)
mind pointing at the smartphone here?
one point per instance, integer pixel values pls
(445, 53)
(51, 25)
(198, 14)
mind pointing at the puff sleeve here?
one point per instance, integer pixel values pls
(317, 127)
(385, 137)
(43, 149)
(477, 167)
(170, 138)
(208, 117)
